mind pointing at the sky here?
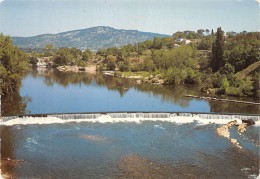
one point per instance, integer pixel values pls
(34, 17)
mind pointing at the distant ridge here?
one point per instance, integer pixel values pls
(93, 38)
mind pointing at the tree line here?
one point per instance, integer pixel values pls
(212, 60)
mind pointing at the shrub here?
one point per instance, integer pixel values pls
(111, 62)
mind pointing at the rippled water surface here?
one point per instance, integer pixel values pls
(126, 149)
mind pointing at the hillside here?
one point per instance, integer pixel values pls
(92, 38)
(249, 71)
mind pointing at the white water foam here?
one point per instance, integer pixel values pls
(159, 127)
(32, 143)
(183, 118)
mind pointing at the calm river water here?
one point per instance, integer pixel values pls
(64, 92)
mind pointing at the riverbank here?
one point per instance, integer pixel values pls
(78, 69)
(222, 100)
(141, 77)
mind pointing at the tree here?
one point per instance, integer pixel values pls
(48, 50)
(200, 32)
(86, 55)
(157, 43)
(207, 31)
(14, 64)
(111, 62)
(33, 57)
(212, 33)
(217, 59)
(148, 44)
(63, 56)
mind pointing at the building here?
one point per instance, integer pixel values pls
(179, 39)
(186, 41)
(44, 62)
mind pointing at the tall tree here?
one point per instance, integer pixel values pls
(217, 59)
(13, 65)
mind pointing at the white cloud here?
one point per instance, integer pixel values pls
(1, 1)
(258, 1)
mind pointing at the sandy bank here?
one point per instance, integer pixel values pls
(78, 69)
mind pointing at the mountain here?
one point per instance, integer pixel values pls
(92, 38)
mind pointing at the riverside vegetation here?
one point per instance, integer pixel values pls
(222, 64)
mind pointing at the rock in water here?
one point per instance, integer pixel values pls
(249, 122)
(231, 123)
(234, 141)
(223, 131)
(242, 127)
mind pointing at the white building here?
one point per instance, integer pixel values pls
(41, 62)
(179, 39)
(186, 41)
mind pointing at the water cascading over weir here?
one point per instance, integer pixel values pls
(104, 117)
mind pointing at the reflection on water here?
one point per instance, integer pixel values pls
(12, 104)
(51, 91)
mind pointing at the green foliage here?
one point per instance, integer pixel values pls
(193, 76)
(86, 55)
(217, 59)
(48, 50)
(175, 76)
(157, 43)
(111, 62)
(148, 44)
(217, 80)
(100, 67)
(227, 69)
(224, 85)
(205, 43)
(242, 50)
(123, 65)
(14, 64)
(82, 63)
(149, 65)
(137, 67)
(101, 52)
(247, 87)
(68, 56)
(256, 85)
(186, 64)
(33, 57)
(186, 34)
(63, 57)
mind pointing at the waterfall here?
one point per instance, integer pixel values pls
(177, 117)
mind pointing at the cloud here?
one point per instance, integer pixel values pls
(258, 1)
(1, 1)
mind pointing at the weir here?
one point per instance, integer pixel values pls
(99, 116)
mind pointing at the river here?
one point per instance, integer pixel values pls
(158, 144)
(52, 91)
